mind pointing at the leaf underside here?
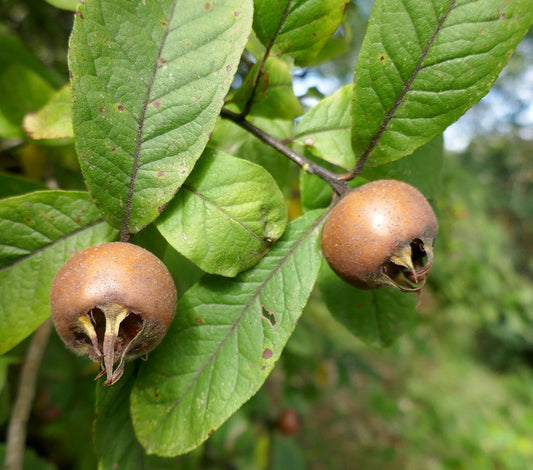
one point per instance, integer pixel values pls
(223, 344)
(114, 439)
(227, 215)
(325, 129)
(378, 317)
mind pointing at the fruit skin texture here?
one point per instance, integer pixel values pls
(381, 233)
(112, 302)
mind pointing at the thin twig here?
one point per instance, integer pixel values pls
(16, 432)
(357, 169)
(125, 235)
(261, 66)
(335, 181)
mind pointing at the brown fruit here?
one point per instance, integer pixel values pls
(112, 302)
(381, 233)
(288, 422)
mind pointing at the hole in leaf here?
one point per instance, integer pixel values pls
(268, 316)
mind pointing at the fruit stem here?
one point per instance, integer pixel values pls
(114, 314)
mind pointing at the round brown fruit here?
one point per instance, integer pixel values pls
(112, 302)
(381, 233)
(288, 422)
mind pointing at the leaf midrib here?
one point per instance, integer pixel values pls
(125, 231)
(52, 243)
(407, 87)
(243, 311)
(223, 211)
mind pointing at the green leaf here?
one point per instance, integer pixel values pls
(315, 193)
(227, 215)
(11, 185)
(14, 52)
(325, 129)
(422, 169)
(423, 63)
(54, 120)
(23, 92)
(149, 80)
(377, 317)
(64, 4)
(114, 438)
(224, 342)
(273, 94)
(25, 82)
(300, 28)
(38, 233)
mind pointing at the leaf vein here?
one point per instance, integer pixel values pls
(244, 310)
(52, 243)
(399, 99)
(138, 144)
(222, 210)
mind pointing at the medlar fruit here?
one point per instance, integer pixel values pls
(381, 233)
(112, 302)
(288, 422)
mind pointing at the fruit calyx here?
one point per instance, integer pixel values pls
(408, 267)
(113, 302)
(112, 331)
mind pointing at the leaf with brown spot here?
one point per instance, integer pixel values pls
(162, 91)
(422, 64)
(206, 371)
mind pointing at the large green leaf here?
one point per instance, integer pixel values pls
(423, 63)
(149, 79)
(377, 317)
(38, 233)
(300, 28)
(224, 342)
(227, 215)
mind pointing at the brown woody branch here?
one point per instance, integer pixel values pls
(337, 182)
(16, 432)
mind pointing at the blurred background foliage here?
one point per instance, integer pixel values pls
(456, 392)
